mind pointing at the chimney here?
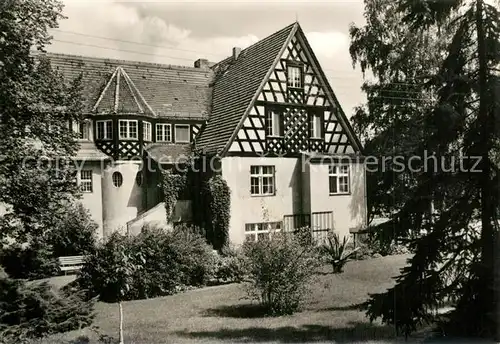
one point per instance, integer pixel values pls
(201, 63)
(236, 53)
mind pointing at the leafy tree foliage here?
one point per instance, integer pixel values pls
(36, 170)
(75, 234)
(439, 60)
(72, 234)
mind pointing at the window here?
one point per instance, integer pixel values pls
(163, 133)
(261, 231)
(104, 130)
(273, 127)
(315, 126)
(294, 74)
(117, 179)
(182, 133)
(339, 179)
(146, 131)
(82, 129)
(127, 129)
(139, 178)
(86, 181)
(262, 180)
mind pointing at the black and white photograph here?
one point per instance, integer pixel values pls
(217, 171)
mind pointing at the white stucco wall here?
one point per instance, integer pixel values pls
(349, 210)
(120, 204)
(246, 208)
(154, 217)
(301, 187)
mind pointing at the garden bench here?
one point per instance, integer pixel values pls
(71, 263)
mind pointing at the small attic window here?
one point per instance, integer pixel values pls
(294, 76)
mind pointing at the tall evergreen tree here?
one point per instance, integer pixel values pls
(36, 144)
(452, 199)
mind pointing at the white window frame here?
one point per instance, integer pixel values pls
(147, 131)
(106, 135)
(163, 137)
(316, 127)
(86, 184)
(274, 123)
(341, 173)
(82, 129)
(267, 228)
(128, 133)
(183, 126)
(294, 76)
(258, 175)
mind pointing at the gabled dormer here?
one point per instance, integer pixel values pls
(131, 105)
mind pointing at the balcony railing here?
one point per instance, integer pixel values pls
(320, 223)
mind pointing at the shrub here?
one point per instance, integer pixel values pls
(35, 310)
(304, 236)
(229, 267)
(194, 256)
(370, 245)
(279, 272)
(166, 261)
(337, 252)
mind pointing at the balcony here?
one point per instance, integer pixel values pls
(320, 224)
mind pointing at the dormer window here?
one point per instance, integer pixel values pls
(127, 129)
(182, 133)
(294, 76)
(82, 130)
(163, 132)
(147, 131)
(104, 130)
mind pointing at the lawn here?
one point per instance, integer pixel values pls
(222, 314)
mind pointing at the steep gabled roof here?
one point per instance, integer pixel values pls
(183, 92)
(235, 86)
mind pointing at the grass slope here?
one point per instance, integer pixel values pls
(222, 314)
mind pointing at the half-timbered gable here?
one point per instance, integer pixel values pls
(294, 109)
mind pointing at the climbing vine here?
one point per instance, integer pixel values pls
(217, 195)
(210, 196)
(173, 186)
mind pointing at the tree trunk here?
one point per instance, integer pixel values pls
(486, 297)
(121, 322)
(487, 231)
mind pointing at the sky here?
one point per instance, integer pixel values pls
(180, 32)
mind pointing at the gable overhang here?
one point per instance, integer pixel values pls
(224, 150)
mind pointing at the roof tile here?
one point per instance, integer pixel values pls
(169, 90)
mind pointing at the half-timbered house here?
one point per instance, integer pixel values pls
(285, 146)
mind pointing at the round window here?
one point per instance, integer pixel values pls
(138, 178)
(117, 179)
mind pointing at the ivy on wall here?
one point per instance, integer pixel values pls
(217, 196)
(173, 186)
(210, 194)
